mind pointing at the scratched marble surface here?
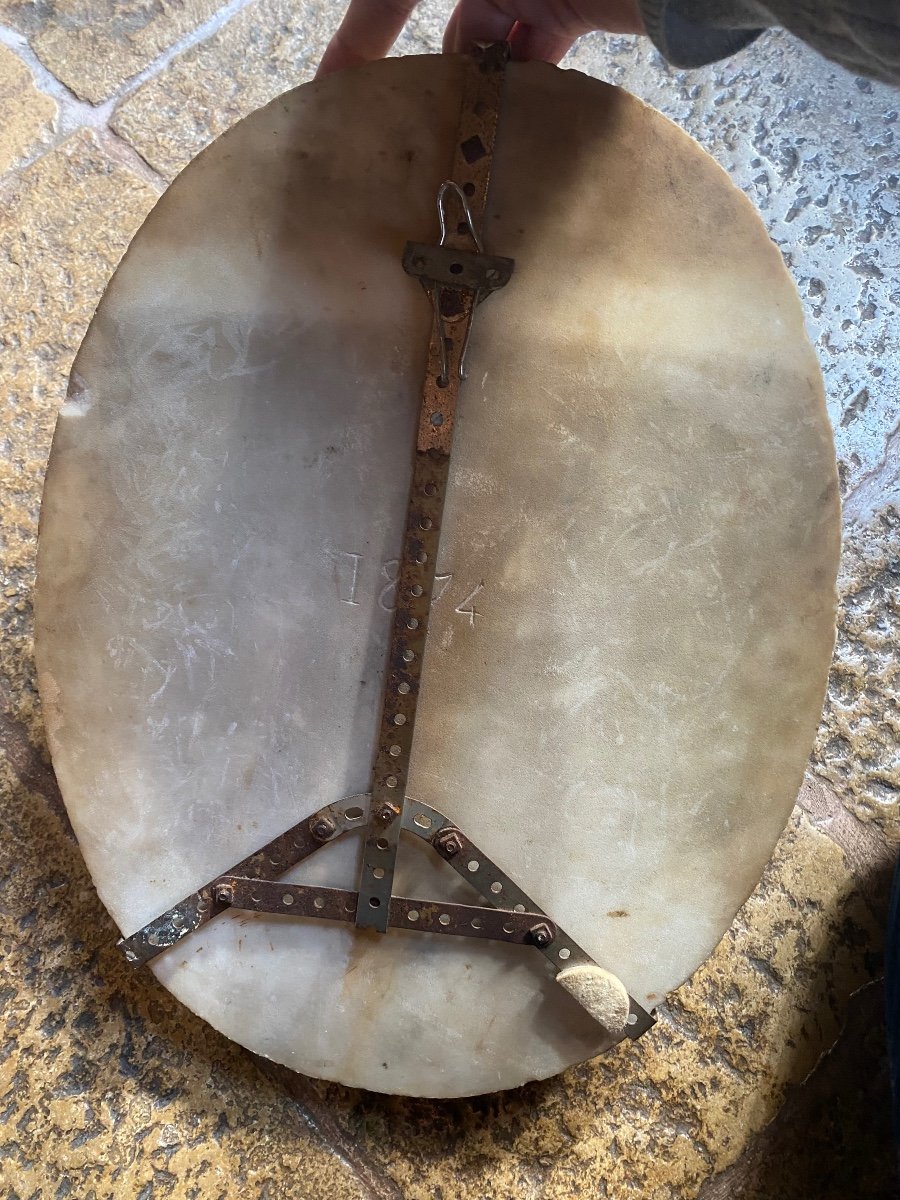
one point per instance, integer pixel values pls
(109, 1088)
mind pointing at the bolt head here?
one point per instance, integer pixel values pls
(448, 843)
(224, 893)
(322, 828)
(386, 814)
(541, 935)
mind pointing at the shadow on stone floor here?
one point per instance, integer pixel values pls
(832, 1138)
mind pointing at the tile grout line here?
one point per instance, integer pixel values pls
(75, 114)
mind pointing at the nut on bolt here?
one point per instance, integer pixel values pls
(322, 828)
(448, 842)
(224, 893)
(386, 814)
(541, 935)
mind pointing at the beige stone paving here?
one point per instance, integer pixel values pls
(28, 113)
(94, 48)
(111, 1089)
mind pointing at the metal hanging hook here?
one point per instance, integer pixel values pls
(447, 186)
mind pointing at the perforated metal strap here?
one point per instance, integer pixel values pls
(461, 205)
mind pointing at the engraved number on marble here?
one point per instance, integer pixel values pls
(467, 608)
(350, 573)
(348, 577)
(388, 597)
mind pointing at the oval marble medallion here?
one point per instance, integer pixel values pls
(633, 619)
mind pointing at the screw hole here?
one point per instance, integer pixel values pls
(318, 903)
(353, 814)
(412, 915)
(399, 719)
(476, 922)
(444, 919)
(456, 268)
(508, 928)
(382, 844)
(408, 655)
(473, 865)
(287, 898)
(430, 489)
(421, 557)
(391, 781)
(422, 821)
(437, 418)
(395, 751)
(469, 189)
(564, 953)
(374, 902)
(378, 872)
(403, 689)
(631, 1019)
(497, 887)
(425, 522)
(518, 907)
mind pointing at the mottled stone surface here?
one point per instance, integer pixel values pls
(95, 48)
(832, 1139)
(27, 113)
(858, 747)
(258, 54)
(102, 1068)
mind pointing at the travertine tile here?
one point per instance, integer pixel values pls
(270, 46)
(64, 223)
(858, 746)
(95, 49)
(27, 113)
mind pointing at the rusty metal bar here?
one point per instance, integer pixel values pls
(461, 205)
(420, 916)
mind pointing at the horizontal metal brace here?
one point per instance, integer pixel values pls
(482, 273)
(421, 916)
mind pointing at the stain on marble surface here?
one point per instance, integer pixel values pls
(93, 49)
(108, 1088)
(27, 113)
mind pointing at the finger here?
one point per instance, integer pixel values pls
(528, 44)
(477, 21)
(368, 31)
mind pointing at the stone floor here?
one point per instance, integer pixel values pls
(765, 1078)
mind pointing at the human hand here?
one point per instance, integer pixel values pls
(535, 29)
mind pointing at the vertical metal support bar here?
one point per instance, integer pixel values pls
(472, 158)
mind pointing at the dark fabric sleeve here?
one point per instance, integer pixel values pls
(864, 37)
